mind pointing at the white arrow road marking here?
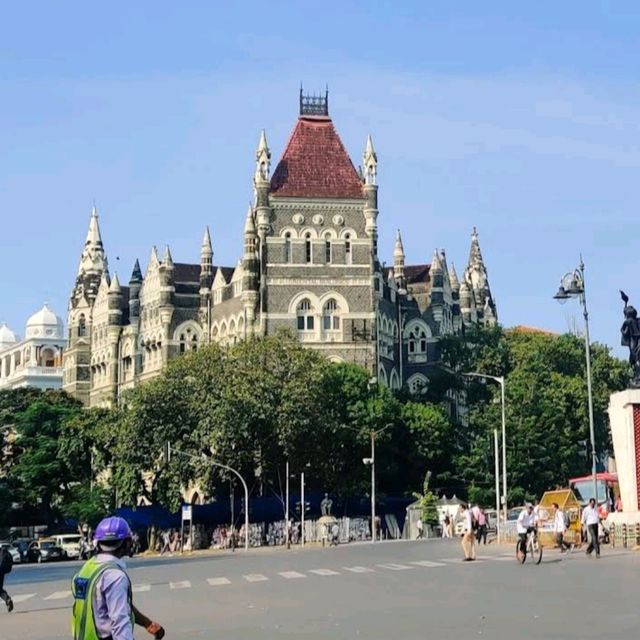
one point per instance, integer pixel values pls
(255, 577)
(184, 584)
(324, 572)
(59, 595)
(291, 575)
(22, 597)
(358, 569)
(218, 582)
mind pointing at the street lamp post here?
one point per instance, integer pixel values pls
(286, 508)
(572, 285)
(372, 462)
(170, 451)
(500, 381)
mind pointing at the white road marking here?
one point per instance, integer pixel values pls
(255, 577)
(428, 563)
(59, 595)
(460, 559)
(291, 575)
(394, 566)
(325, 572)
(358, 569)
(218, 582)
(137, 588)
(183, 584)
(22, 597)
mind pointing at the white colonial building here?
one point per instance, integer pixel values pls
(35, 361)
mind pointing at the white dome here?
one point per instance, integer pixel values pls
(7, 337)
(45, 324)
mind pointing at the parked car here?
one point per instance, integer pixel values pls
(44, 550)
(15, 554)
(22, 545)
(69, 543)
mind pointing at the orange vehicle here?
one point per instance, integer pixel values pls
(608, 491)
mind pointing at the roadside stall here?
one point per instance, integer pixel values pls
(568, 503)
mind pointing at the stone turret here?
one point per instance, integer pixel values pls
(455, 299)
(250, 272)
(261, 185)
(478, 280)
(398, 262)
(370, 190)
(135, 282)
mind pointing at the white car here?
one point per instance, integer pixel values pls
(70, 544)
(15, 554)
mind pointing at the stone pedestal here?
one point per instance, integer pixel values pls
(624, 418)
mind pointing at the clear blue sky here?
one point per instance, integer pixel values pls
(519, 118)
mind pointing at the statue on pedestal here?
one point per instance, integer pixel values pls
(630, 337)
(325, 505)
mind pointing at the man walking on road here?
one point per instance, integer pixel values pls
(6, 564)
(468, 535)
(103, 606)
(559, 527)
(591, 520)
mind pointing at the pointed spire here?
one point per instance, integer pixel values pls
(154, 255)
(263, 159)
(436, 263)
(206, 248)
(167, 260)
(453, 277)
(249, 224)
(93, 234)
(398, 251)
(370, 163)
(114, 287)
(475, 255)
(93, 259)
(136, 274)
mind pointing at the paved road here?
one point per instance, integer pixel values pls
(391, 590)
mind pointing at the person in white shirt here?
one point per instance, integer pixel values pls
(526, 524)
(468, 535)
(591, 520)
(559, 527)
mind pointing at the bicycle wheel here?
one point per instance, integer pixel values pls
(521, 555)
(536, 552)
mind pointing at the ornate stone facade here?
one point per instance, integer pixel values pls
(310, 263)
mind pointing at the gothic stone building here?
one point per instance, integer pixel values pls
(310, 263)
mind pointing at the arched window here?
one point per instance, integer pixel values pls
(307, 247)
(287, 247)
(347, 248)
(327, 248)
(417, 383)
(183, 343)
(305, 316)
(330, 317)
(417, 344)
(82, 326)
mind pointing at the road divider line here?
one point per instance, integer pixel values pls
(137, 588)
(324, 572)
(59, 595)
(218, 582)
(183, 584)
(392, 566)
(291, 575)
(428, 563)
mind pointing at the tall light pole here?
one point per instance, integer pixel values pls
(302, 509)
(286, 508)
(572, 285)
(500, 381)
(169, 452)
(372, 462)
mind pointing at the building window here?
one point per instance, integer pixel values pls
(287, 247)
(307, 247)
(82, 326)
(305, 316)
(330, 317)
(347, 248)
(327, 248)
(183, 343)
(418, 344)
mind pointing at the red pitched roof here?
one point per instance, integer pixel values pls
(315, 164)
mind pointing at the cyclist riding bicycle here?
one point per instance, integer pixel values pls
(527, 523)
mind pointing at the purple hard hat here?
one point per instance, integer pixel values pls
(112, 530)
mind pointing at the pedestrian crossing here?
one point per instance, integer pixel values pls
(299, 574)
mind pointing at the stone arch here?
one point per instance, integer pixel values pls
(313, 234)
(417, 322)
(293, 234)
(348, 231)
(394, 380)
(418, 383)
